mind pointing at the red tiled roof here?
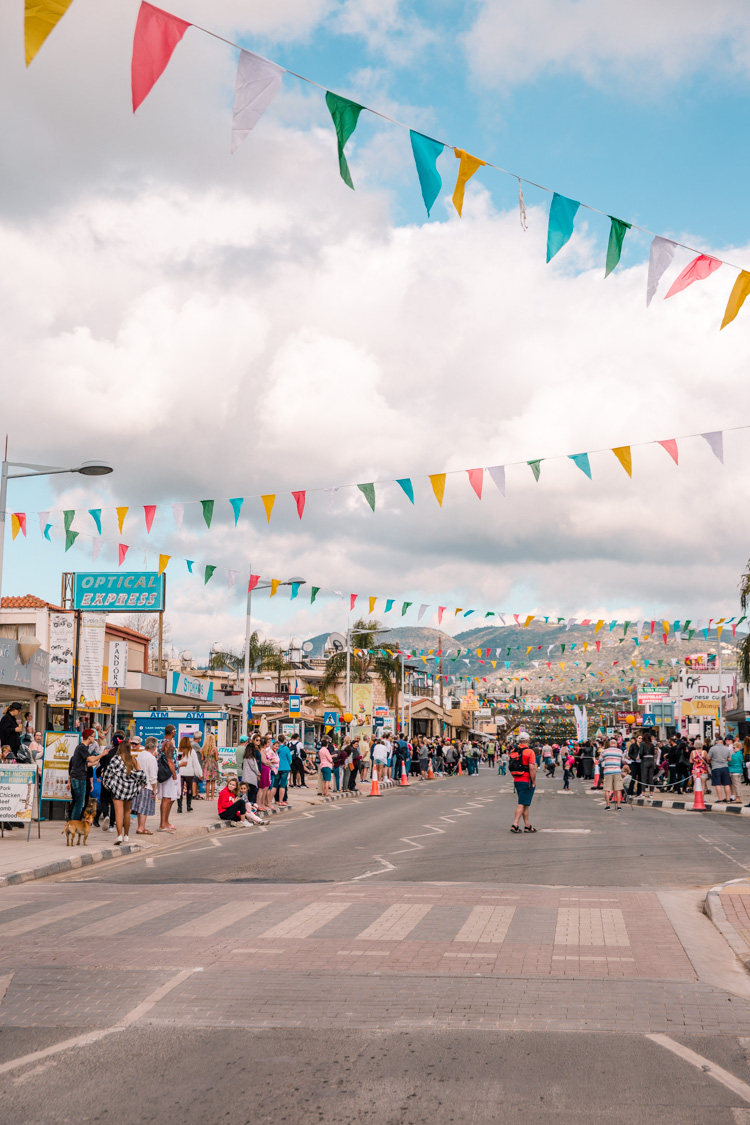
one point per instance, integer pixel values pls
(114, 627)
(29, 601)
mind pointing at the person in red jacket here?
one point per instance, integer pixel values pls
(232, 805)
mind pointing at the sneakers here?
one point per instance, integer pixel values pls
(118, 841)
(256, 819)
(105, 824)
(126, 839)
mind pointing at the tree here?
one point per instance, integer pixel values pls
(265, 656)
(366, 661)
(148, 625)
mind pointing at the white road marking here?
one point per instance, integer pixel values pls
(486, 924)
(46, 918)
(567, 831)
(380, 871)
(93, 1036)
(394, 923)
(117, 923)
(588, 926)
(736, 1085)
(215, 920)
(725, 854)
(306, 921)
(411, 839)
(4, 985)
(150, 862)
(462, 955)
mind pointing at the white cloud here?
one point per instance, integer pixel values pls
(605, 39)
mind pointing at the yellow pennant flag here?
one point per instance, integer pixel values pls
(163, 563)
(598, 626)
(562, 666)
(466, 170)
(585, 645)
(437, 480)
(493, 663)
(15, 524)
(372, 604)
(666, 626)
(275, 583)
(528, 621)
(624, 456)
(740, 290)
(528, 650)
(719, 629)
(459, 610)
(121, 513)
(268, 502)
(41, 17)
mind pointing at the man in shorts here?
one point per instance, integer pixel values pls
(718, 757)
(523, 769)
(610, 763)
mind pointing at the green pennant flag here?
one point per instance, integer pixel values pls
(404, 608)
(209, 571)
(562, 649)
(345, 115)
(96, 515)
(535, 467)
(368, 491)
(70, 538)
(314, 593)
(208, 511)
(614, 246)
(68, 518)
(690, 634)
(625, 629)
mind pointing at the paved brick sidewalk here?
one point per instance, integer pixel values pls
(728, 907)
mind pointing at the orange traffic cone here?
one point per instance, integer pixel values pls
(460, 771)
(699, 804)
(403, 773)
(375, 787)
(430, 772)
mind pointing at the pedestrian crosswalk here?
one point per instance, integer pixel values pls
(395, 923)
(486, 924)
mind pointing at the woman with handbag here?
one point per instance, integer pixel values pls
(124, 780)
(210, 756)
(168, 787)
(191, 772)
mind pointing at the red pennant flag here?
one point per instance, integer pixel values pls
(671, 447)
(441, 611)
(300, 501)
(149, 510)
(698, 270)
(653, 626)
(476, 478)
(254, 580)
(352, 600)
(598, 646)
(157, 33)
(122, 551)
(664, 637)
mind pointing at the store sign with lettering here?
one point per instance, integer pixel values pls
(115, 592)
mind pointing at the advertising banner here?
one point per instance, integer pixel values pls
(58, 750)
(362, 709)
(17, 792)
(118, 592)
(61, 640)
(180, 684)
(117, 669)
(91, 667)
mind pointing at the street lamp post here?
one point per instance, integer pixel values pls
(87, 469)
(248, 615)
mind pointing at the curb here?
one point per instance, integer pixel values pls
(85, 859)
(714, 909)
(734, 810)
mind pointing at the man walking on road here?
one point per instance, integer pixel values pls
(611, 760)
(522, 766)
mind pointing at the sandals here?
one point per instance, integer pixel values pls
(528, 828)
(515, 828)
(143, 832)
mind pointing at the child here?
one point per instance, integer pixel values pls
(504, 759)
(568, 767)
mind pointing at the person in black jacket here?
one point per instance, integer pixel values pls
(10, 728)
(106, 808)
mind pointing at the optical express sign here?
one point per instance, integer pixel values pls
(115, 592)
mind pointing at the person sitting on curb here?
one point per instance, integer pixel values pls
(233, 802)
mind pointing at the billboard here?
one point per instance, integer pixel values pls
(115, 592)
(362, 708)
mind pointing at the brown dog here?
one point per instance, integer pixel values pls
(78, 828)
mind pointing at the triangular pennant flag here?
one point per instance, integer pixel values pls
(231, 578)
(96, 544)
(698, 270)
(43, 522)
(189, 563)
(237, 503)
(740, 290)
(716, 441)
(368, 491)
(582, 461)
(670, 444)
(178, 511)
(389, 604)
(208, 574)
(476, 479)
(253, 582)
(208, 511)
(157, 33)
(599, 625)
(421, 612)
(659, 260)
(406, 485)
(441, 611)
(70, 538)
(256, 85)
(275, 583)
(331, 493)
(624, 456)
(404, 608)
(40, 18)
(18, 523)
(466, 170)
(426, 151)
(497, 472)
(437, 480)
(149, 511)
(614, 246)
(68, 518)
(96, 515)
(163, 563)
(352, 600)
(122, 550)
(536, 467)
(121, 513)
(562, 215)
(345, 115)
(299, 499)
(268, 502)
(295, 590)
(372, 605)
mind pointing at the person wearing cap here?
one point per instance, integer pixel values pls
(523, 769)
(81, 762)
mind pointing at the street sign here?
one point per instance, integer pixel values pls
(649, 720)
(115, 592)
(332, 719)
(610, 731)
(295, 705)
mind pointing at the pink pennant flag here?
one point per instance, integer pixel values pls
(97, 544)
(352, 600)
(254, 580)
(122, 551)
(157, 33)
(670, 444)
(149, 511)
(299, 499)
(476, 478)
(698, 270)
(441, 611)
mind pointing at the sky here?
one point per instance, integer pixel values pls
(222, 325)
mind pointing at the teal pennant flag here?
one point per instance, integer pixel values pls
(562, 214)
(426, 151)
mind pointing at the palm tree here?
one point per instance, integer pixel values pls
(366, 660)
(264, 656)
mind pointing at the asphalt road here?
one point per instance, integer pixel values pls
(396, 961)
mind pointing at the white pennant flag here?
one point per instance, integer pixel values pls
(421, 613)
(97, 544)
(331, 493)
(178, 511)
(716, 441)
(43, 521)
(497, 472)
(231, 578)
(257, 84)
(660, 258)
